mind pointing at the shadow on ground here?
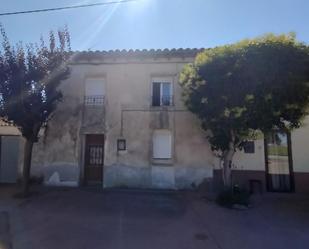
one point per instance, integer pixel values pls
(5, 238)
(90, 218)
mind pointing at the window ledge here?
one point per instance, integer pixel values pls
(160, 108)
(167, 162)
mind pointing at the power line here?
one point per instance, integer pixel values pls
(64, 8)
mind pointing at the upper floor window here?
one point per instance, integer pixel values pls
(94, 91)
(162, 94)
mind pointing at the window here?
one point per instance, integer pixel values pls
(121, 144)
(94, 92)
(249, 147)
(162, 92)
(162, 144)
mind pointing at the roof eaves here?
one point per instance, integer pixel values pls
(152, 53)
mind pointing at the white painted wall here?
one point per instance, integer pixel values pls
(254, 161)
(248, 161)
(300, 147)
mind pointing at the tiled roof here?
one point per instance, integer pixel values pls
(152, 53)
(3, 123)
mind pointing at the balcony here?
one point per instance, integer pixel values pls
(93, 118)
(94, 100)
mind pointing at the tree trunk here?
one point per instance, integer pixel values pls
(227, 167)
(227, 162)
(27, 166)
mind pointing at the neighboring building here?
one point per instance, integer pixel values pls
(10, 148)
(122, 124)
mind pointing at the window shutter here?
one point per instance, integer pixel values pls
(94, 87)
(162, 144)
(156, 94)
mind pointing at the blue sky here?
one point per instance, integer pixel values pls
(158, 23)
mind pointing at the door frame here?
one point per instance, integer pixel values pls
(290, 159)
(84, 159)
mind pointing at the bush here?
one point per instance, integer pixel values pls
(230, 197)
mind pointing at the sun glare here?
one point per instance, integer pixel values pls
(138, 6)
(90, 35)
(134, 8)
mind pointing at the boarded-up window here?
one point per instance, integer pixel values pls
(162, 144)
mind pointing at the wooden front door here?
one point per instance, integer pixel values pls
(94, 159)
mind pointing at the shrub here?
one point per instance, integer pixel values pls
(230, 197)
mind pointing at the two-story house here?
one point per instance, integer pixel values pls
(122, 124)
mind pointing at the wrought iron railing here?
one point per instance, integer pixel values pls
(164, 100)
(94, 100)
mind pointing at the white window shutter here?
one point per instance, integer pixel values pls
(94, 87)
(162, 144)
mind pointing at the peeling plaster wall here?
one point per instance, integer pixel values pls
(59, 144)
(58, 148)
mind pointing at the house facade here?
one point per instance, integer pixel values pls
(122, 123)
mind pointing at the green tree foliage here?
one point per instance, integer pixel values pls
(29, 80)
(253, 85)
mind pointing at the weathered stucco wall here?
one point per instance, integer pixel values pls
(127, 113)
(58, 148)
(129, 95)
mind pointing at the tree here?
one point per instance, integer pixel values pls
(245, 88)
(29, 80)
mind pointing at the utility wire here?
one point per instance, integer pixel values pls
(64, 8)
